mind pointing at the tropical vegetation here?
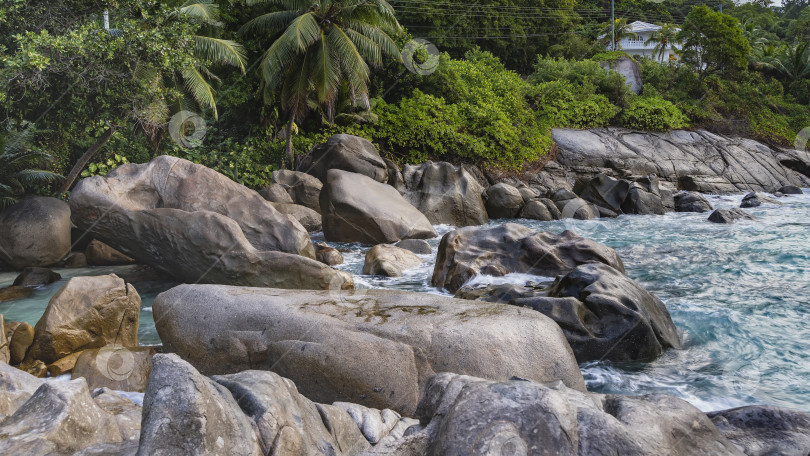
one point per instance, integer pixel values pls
(268, 79)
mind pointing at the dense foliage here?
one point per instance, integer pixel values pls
(260, 72)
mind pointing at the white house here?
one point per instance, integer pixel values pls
(636, 46)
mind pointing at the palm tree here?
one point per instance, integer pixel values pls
(755, 34)
(195, 81)
(19, 166)
(622, 30)
(325, 45)
(663, 39)
(791, 63)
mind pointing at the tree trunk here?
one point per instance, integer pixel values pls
(84, 159)
(289, 148)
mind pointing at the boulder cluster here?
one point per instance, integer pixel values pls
(267, 348)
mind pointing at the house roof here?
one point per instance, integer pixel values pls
(641, 26)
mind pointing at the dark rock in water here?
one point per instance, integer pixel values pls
(790, 190)
(617, 196)
(539, 209)
(34, 277)
(376, 348)
(464, 415)
(445, 193)
(347, 153)
(35, 232)
(730, 216)
(760, 430)
(289, 423)
(606, 213)
(328, 255)
(605, 315)
(204, 417)
(503, 201)
(606, 192)
(390, 261)
(692, 202)
(757, 199)
(302, 188)
(356, 208)
(689, 160)
(644, 198)
(513, 248)
(572, 206)
(13, 293)
(417, 246)
(98, 253)
(276, 193)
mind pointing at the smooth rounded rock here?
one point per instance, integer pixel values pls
(356, 208)
(445, 193)
(417, 246)
(692, 202)
(503, 201)
(35, 232)
(347, 153)
(390, 261)
(376, 348)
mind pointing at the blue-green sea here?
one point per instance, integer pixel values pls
(739, 294)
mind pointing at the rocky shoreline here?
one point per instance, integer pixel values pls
(268, 349)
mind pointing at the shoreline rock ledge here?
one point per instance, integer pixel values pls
(377, 348)
(199, 226)
(687, 160)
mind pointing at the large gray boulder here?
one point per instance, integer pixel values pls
(761, 430)
(198, 226)
(357, 208)
(605, 315)
(689, 160)
(302, 188)
(347, 153)
(692, 202)
(445, 193)
(377, 348)
(465, 415)
(499, 250)
(59, 418)
(187, 413)
(503, 201)
(289, 423)
(35, 232)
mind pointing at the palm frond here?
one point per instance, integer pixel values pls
(205, 10)
(37, 176)
(288, 4)
(220, 51)
(300, 34)
(269, 24)
(199, 88)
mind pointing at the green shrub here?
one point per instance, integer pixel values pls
(558, 106)
(104, 167)
(653, 113)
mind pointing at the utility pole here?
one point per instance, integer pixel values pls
(107, 20)
(612, 27)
